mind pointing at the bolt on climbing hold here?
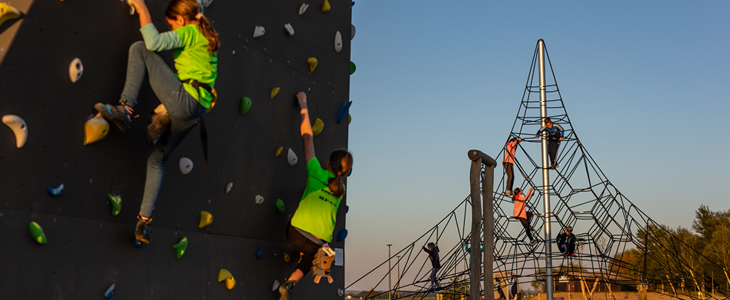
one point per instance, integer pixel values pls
(260, 253)
(303, 8)
(8, 12)
(17, 125)
(280, 206)
(37, 233)
(286, 257)
(344, 111)
(205, 219)
(340, 292)
(317, 127)
(224, 274)
(95, 129)
(110, 291)
(338, 42)
(278, 151)
(312, 64)
(245, 105)
(186, 165)
(291, 157)
(275, 285)
(180, 247)
(259, 199)
(57, 191)
(274, 92)
(347, 207)
(207, 3)
(229, 186)
(258, 31)
(349, 119)
(352, 68)
(342, 235)
(75, 70)
(326, 6)
(352, 31)
(289, 29)
(116, 201)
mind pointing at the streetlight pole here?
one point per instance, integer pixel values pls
(397, 283)
(390, 295)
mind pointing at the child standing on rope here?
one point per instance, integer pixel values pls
(566, 241)
(554, 136)
(509, 161)
(433, 255)
(185, 94)
(520, 212)
(315, 218)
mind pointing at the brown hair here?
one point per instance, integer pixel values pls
(189, 10)
(340, 163)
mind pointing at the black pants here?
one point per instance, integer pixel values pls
(567, 248)
(509, 169)
(307, 247)
(553, 151)
(526, 224)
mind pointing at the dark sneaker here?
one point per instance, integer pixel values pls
(142, 231)
(119, 115)
(284, 289)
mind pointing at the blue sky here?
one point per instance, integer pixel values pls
(644, 84)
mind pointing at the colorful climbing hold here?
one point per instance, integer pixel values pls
(352, 68)
(275, 285)
(352, 31)
(344, 111)
(224, 274)
(317, 127)
(280, 206)
(116, 201)
(347, 208)
(95, 129)
(17, 125)
(37, 233)
(340, 292)
(75, 70)
(312, 64)
(230, 283)
(180, 247)
(57, 191)
(186, 165)
(207, 3)
(287, 257)
(259, 199)
(291, 157)
(258, 31)
(205, 219)
(278, 151)
(303, 8)
(326, 6)
(260, 253)
(342, 235)
(8, 12)
(338, 42)
(349, 119)
(110, 291)
(229, 186)
(353, 4)
(245, 105)
(274, 92)
(289, 29)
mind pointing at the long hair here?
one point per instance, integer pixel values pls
(189, 10)
(340, 163)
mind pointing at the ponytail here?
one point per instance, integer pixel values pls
(340, 163)
(209, 32)
(192, 10)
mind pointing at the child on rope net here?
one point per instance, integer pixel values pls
(185, 94)
(509, 161)
(433, 255)
(520, 212)
(314, 221)
(566, 241)
(554, 135)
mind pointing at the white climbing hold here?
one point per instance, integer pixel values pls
(19, 129)
(258, 31)
(259, 199)
(186, 165)
(338, 42)
(229, 187)
(207, 3)
(340, 292)
(352, 32)
(275, 286)
(131, 8)
(289, 29)
(291, 157)
(303, 8)
(75, 70)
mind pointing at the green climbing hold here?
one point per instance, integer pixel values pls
(280, 206)
(352, 68)
(180, 247)
(116, 201)
(37, 233)
(245, 105)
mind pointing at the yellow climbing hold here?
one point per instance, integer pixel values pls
(278, 151)
(95, 129)
(312, 64)
(8, 12)
(205, 219)
(274, 92)
(349, 119)
(286, 257)
(224, 274)
(230, 283)
(317, 127)
(325, 6)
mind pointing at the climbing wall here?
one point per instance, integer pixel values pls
(88, 249)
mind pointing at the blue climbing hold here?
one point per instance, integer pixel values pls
(342, 235)
(344, 110)
(353, 3)
(57, 191)
(260, 253)
(347, 208)
(110, 291)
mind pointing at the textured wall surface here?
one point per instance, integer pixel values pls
(88, 249)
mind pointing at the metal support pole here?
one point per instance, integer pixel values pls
(390, 294)
(545, 178)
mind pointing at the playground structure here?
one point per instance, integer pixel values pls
(584, 198)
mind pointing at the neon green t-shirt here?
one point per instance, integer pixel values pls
(317, 211)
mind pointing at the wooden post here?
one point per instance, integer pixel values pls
(477, 159)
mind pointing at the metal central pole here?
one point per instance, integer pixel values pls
(545, 178)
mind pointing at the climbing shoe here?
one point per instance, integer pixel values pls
(285, 288)
(120, 115)
(533, 242)
(573, 255)
(508, 193)
(142, 231)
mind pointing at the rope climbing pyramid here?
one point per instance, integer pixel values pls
(620, 245)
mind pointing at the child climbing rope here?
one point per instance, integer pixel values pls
(185, 94)
(520, 212)
(433, 255)
(554, 135)
(509, 161)
(566, 241)
(314, 221)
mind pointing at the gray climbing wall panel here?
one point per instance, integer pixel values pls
(88, 249)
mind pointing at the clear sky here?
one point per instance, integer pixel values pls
(645, 84)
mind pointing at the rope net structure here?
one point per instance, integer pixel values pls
(621, 247)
